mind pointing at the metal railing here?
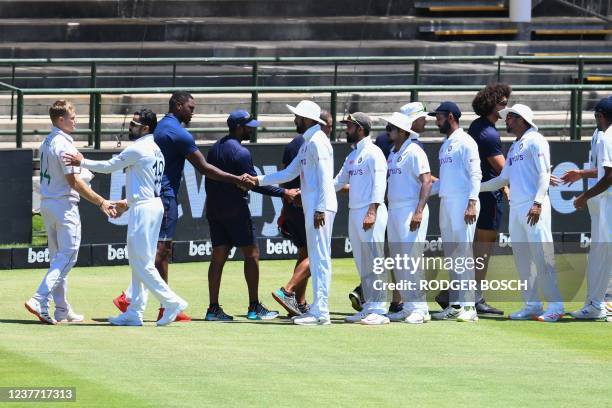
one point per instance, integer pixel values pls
(95, 114)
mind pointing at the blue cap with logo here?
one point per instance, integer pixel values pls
(604, 106)
(241, 117)
(447, 107)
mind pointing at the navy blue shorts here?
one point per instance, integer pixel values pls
(491, 210)
(232, 232)
(295, 225)
(170, 219)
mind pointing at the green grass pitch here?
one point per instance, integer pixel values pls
(494, 362)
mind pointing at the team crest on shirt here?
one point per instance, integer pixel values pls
(399, 159)
(450, 147)
(360, 160)
(521, 146)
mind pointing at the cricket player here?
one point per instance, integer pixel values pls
(365, 170)
(527, 170)
(315, 166)
(409, 184)
(177, 145)
(601, 273)
(458, 186)
(144, 164)
(61, 187)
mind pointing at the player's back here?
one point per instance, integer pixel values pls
(53, 183)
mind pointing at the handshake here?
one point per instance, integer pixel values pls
(248, 182)
(113, 209)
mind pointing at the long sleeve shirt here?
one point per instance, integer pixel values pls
(314, 164)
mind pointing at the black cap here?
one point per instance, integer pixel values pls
(447, 107)
(604, 106)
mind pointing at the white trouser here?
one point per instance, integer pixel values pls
(597, 269)
(605, 237)
(534, 254)
(457, 238)
(319, 252)
(402, 242)
(143, 231)
(63, 225)
(368, 245)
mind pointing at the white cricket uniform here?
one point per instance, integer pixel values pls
(144, 164)
(405, 166)
(314, 164)
(604, 157)
(527, 170)
(365, 169)
(459, 182)
(60, 211)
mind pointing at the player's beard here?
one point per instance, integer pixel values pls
(351, 137)
(445, 128)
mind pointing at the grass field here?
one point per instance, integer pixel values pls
(494, 362)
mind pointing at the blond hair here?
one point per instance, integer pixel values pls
(60, 109)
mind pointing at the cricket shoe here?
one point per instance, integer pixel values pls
(527, 313)
(589, 312)
(170, 313)
(399, 316)
(468, 314)
(68, 315)
(125, 319)
(216, 314)
(395, 307)
(551, 315)
(37, 310)
(450, 313)
(287, 301)
(181, 317)
(257, 311)
(374, 319)
(418, 317)
(608, 304)
(121, 302)
(357, 317)
(356, 298)
(304, 307)
(311, 320)
(483, 308)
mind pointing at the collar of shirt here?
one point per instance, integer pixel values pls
(456, 133)
(528, 134)
(403, 147)
(145, 137)
(311, 131)
(58, 131)
(363, 143)
(171, 115)
(414, 136)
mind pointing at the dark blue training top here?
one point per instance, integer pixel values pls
(291, 151)
(383, 140)
(226, 200)
(489, 144)
(176, 143)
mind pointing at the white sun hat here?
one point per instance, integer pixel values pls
(307, 109)
(401, 121)
(523, 111)
(414, 110)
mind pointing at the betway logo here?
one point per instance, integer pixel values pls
(585, 240)
(38, 256)
(285, 247)
(113, 253)
(196, 194)
(205, 249)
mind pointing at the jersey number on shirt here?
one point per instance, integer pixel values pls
(158, 170)
(43, 171)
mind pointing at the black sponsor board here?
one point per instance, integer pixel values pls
(16, 203)
(39, 257)
(109, 254)
(6, 258)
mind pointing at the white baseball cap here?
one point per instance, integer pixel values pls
(523, 111)
(401, 121)
(414, 110)
(307, 109)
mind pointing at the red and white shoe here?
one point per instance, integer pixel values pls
(181, 317)
(121, 302)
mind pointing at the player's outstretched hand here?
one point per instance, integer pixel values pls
(73, 159)
(291, 194)
(108, 208)
(248, 182)
(121, 206)
(571, 176)
(580, 202)
(555, 181)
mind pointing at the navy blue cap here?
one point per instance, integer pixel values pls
(447, 107)
(604, 106)
(241, 118)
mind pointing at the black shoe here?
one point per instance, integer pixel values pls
(356, 298)
(304, 307)
(442, 299)
(395, 307)
(287, 301)
(216, 314)
(483, 307)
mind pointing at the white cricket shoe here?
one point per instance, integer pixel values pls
(357, 317)
(527, 313)
(418, 317)
(450, 313)
(39, 311)
(551, 315)
(608, 304)
(171, 312)
(468, 315)
(589, 312)
(374, 319)
(311, 320)
(68, 315)
(400, 316)
(125, 319)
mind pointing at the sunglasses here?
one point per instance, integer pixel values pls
(503, 103)
(135, 124)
